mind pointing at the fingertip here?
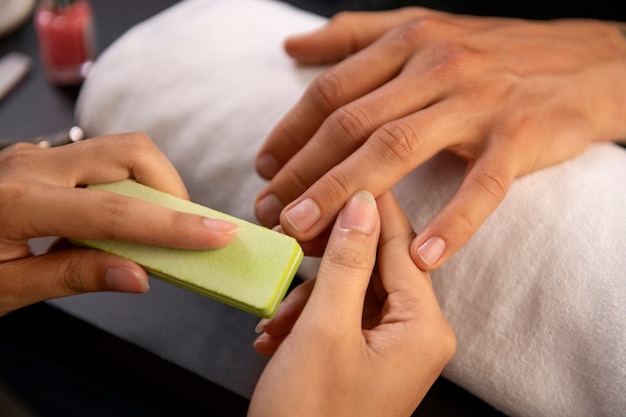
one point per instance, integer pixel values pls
(267, 345)
(260, 342)
(127, 280)
(260, 327)
(221, 232)
(267, 165)
(267, 209)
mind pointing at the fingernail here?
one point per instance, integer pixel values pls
(267, 165)
(220, 226)
(360, 213)
(303, 215)
(261, 339)
(259, 327)
(431, 250)
(268, 209)
(126, 280)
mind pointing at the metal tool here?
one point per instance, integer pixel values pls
(64, 137)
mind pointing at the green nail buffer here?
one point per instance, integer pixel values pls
(252, 273)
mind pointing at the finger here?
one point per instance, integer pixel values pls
(114, 157)
(481, 192)
(90, 214)
(388, 155)
(294, 162)
(288, 312)
(65, 273)
(399, 275)
(337, 86)
(347, 265)
(345, 34)
(276, 329)
(267, 344)
(411, 299)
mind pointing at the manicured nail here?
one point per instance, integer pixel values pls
(268, 209)
(267, 165)
(126, 280)
(259, 327)
(431, 250)
(220, 226)
(303, 215)
(360, 213)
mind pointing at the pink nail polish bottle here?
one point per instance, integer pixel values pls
(65, 33)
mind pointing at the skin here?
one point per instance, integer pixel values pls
(388, 337)
(367, 336)
(41, 194)
(508, 96)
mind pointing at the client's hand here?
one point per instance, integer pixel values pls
(39, 197)
(509, 96)
(365, 344)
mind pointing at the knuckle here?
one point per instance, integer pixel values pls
(16, 156)
(73, 280)
(520, 124)
(398, 142)
(294, 177)
(342, 18)
(337, 184)
(10, 191)
(326, 91)
(451, 59)
(349, 257)
(137, 142)
(491, 181)
(417, 28)
(449, 342)
(11, 195)
(351, 121)
(113, 213)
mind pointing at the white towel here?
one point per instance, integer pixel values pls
(536, 297)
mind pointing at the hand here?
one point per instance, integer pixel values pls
(346, 353)
(39, 197)
(509, 96)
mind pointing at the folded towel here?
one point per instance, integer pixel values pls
(536, 297)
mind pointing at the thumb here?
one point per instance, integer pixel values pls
(348, 262)
(69, 272)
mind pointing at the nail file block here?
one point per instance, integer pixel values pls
(252, 273)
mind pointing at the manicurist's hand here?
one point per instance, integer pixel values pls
(366, 337)
(40, 196)
(509, 96)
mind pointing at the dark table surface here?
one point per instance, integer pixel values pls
(49, 354)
